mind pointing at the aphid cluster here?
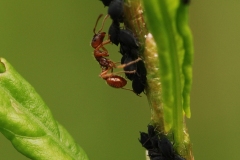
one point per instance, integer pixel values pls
(131, 63)
(158, 146)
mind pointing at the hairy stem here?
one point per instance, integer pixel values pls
(167, 52)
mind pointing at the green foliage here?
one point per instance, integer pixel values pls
(28, 123)
(167, 20)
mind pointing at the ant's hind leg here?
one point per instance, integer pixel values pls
(131, 90)
(130, 72)
(127, 64)
(127, 89)
(105, 51)
(105, 74)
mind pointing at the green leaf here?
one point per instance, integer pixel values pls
(28, 123)
(185, 33)
(167, 21)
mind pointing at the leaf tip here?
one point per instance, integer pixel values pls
(2, 66)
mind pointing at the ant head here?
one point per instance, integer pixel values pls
(99, 36)
(97, 39)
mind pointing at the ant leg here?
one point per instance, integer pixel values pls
(99, 54)
(105, 42)
(127, 89)
(124, 65)
(105, 51)
(94, 29)
(130, 90)
(102, 44)
(130, 72)
(103, 22)
(116, 62)
(104, 74)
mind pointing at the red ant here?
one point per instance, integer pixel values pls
(112, 79)
(97, 43)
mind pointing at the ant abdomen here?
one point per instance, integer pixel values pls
(116, 81)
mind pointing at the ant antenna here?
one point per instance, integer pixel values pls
(94, 29)
(103, 22)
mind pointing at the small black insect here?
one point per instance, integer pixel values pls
(127, 39)
(158, 146)
(114, 31)
(155, 154)
(145, 141)
(131, 52)
(115, 10)
(138, 84)
(139, 78)
(128, 44)
(106, 2)
(139, 81)
(145, 138)
(166, 147)
(133, 67)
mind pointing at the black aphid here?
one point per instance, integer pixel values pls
(158, 146)
(115, 10)
(127, 39)
(145, 141)
(166, 147)
(106, 2)
(114, 31)
(133, 67)
(138, 84)
(139, 80)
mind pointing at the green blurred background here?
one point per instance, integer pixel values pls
(48, 42)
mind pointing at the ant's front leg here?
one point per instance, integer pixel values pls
(105, 50)
(99, 54)
(102, 44)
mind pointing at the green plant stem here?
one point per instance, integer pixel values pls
(168, 50)
(168, 60)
